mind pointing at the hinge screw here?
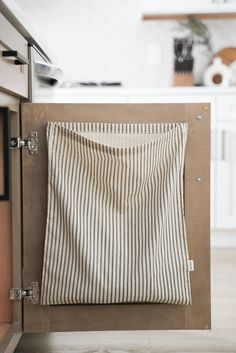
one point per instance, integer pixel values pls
(199, 117)
(199, 179)
(13, 143)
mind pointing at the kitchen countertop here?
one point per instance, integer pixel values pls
(131, 94)
(149, 90)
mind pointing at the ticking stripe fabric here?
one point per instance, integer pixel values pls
(115, 228)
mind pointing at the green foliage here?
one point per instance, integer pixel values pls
(199, 31)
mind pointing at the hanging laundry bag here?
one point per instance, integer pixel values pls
(115, 229)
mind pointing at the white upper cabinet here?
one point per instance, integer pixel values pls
(225, 191)
(185, 7)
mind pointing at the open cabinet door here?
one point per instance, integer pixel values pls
(38, 318)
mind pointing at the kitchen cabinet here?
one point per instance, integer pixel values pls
(13, 60)
(10, 235)
(13, 85)
(157, 9)
(225, 160)
(15, 38)
(32, 191)
(226, 177)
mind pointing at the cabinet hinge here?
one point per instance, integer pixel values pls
(31, 142)
(31, 293)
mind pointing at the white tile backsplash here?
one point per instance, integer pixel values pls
(107, 40)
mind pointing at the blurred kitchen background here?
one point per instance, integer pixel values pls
(148, 51)
(97, 41)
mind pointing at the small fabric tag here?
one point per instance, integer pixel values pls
(190, 265)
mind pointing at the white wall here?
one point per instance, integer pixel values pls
(106, 39)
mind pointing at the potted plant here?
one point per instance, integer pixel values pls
(202, 49)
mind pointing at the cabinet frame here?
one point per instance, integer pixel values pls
(4, 115)
(12, 209)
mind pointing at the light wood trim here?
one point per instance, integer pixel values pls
(197, 207)
(5, 242)
(1, 156)
(10, 242)
(16, 222)
(177, 17)
(9, 340)
(5, 262)
(3, 330)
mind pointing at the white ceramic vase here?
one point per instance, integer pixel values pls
(202, 58)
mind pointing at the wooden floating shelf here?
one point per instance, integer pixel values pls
(203, 16)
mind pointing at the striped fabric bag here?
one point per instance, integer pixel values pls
(115, 228)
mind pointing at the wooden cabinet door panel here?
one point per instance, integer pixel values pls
(39, 318)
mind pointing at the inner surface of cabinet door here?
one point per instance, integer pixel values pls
(131, 316)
